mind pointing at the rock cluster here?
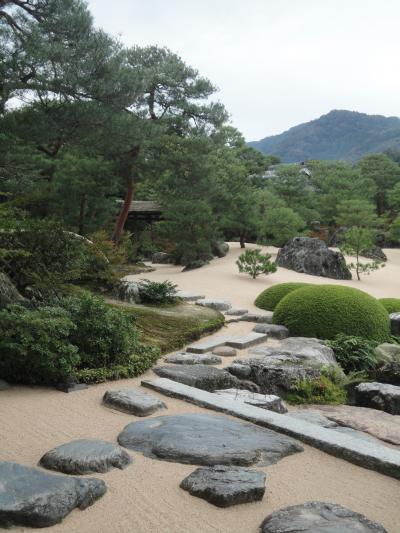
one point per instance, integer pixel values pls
(379, 396)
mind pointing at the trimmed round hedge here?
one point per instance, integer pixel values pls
(270, 298)
(392, 305)
(323, 311)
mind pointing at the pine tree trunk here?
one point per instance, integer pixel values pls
(242, 240)
(82, 215)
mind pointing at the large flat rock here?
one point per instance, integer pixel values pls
(379, 396)
(272, 330)
(374, 456)
(200, 376)
(236, 311)
(245, 341)
(133, 402)
(189, 296)
(319, 517)
(264, 401)
(306, 350)
(218, 304)
(225, 486)
(204, 439)
(34, 498)
(85, 456)
(264, 318)
(185, 358)
(208, 345)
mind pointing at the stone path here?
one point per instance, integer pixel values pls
(264, 401)
(184, 358)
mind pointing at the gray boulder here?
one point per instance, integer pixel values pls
(220, 249)
(379, 396)
(376, 253)
(305, 349)
(272, 330)
(128, 291)
(85, 456)
(185, 358)
(162, 258)
(204, 439)
(192, 265)
(265, 318)
(217, 304)
(225, 486)
(388, 370)
(33, 498)
(395, 323)
(388, 352)
(312, 256)
(264, 401)
(203, 377)
(318, 517)
(133, 402)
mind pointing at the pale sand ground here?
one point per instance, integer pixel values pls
(146, 496)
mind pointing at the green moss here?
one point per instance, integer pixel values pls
(324, 311)
(270, 298)
(392, 305)
(321, 390)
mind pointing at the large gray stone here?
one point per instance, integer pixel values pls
(312, 256)
(379, 396)
(34, 498)
(245, 341)
(200, 376)
(264, 401)
(265, 318)
(272, 330)
(207, 345)
(220, 249)
(225, 486)
(236, 312)
(189, 296)
(388, 369)
(128, 291)
(205, 439)
(395, 323)
(319, 517)
(184, 358)
(306, 350)
(85, 456)
(133, 402)
(217, 304)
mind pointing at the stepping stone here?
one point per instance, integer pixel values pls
(395, 323)
(272, 330)
(379, 396)
(31, 497)
(225, 351)
(133, 402)
(200, 376)
(236, 312)
(264, 401)
(189, 296)
(204, 439)
(218, 305)
(85, 456)
(313, 517)
(225, 486)
(265, 318)
(245, 341)
(313, 417)
(208, 345)
(4, 385)
(184, 358)
(71, 387)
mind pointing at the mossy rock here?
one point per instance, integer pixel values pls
(270, 298)
(323, 311)
(392, 305)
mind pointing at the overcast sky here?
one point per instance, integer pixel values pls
(277, 63)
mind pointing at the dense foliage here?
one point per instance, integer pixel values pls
(270, 297)
(354, 354)
(324, 311)
(392, 305)
(153, 292)
(254, 263)
(318, 391)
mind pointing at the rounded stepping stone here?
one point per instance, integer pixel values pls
(273, 331)
(85, 456)
(236, 312)
(205, 439)
(32, 497)
(224, 486)
(312, 517)
(133, 402)
(217, 304)
(265, 318)
(225, 351)
(185, 358)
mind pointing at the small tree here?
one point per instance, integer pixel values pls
(254, 263)
(357, 239)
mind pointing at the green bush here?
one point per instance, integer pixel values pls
(321, 390)
(153, 292)
(254, 263)
(270, 298)
(354, 354)
(324, 311)
(392, 305)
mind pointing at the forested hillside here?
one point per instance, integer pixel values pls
(343, 135)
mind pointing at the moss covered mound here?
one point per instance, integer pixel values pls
(270, 298)
(323, 311)
(392, 305)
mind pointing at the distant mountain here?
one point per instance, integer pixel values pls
(345, 135)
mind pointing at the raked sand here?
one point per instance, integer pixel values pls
(145, 497)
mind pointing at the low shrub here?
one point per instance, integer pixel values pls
(320, 391)
(254, 263)
(324, 311)
(354, 354)
(270, 297)
(153, 292)
(392, 305)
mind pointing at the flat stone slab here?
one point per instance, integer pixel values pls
(379, 424)
(273, 331)
(189, 296)
(318, 517)
(236, 311)
(313, 417)
(184, 358)
(225, 486)
(264, 401)
(200, 376)
(133, 402)
(85, 456)
(217, 304)
(34, 498)
(204, 439)
(208, 345)
(265, 318)
(245, 341)
(366, 454)
(379, 396)
(71, 387)
(225, 351)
